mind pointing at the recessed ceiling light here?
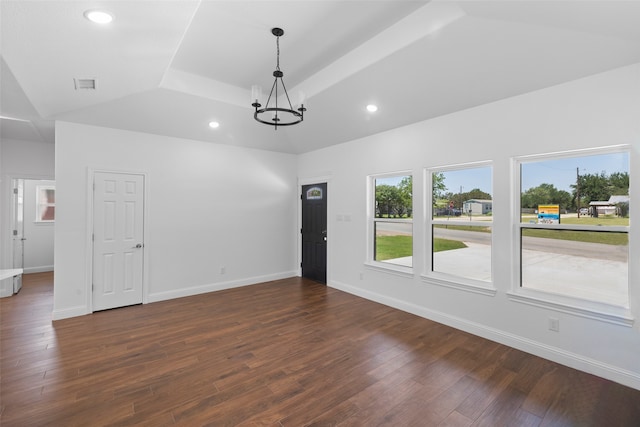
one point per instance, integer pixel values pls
(98, 16)
(372, 108)
(214, 125)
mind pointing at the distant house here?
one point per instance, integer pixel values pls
(618, 199)
(608, 207)
(477, 207)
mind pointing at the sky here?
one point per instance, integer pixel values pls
(465, 180)
(559, 172)
(562, 172)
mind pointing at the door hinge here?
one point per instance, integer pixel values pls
(300, 264)
(301, 231)
(93, 237)
(301, 197)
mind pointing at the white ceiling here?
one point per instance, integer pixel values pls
(170, 67)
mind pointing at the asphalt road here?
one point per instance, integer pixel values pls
(566, 247)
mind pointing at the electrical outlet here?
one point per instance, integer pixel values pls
(222, 270)
(554, 324)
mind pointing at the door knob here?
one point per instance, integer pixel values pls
(138, 246)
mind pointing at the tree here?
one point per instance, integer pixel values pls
(619, 182)
(598, 187)
(564, 199)
(405, 188)
(623, 209)
(387, 196)
(545, 194)
(438, 186)
(477, 194)
(458, 199)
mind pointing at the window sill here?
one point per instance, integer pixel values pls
(394, 269)
(462, 284)
(583, 308)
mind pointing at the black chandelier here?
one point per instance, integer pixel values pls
(280, 116)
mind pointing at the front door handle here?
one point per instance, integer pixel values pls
(138, 246)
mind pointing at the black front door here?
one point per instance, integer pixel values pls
(314, 232)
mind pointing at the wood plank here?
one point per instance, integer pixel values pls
(289, 352)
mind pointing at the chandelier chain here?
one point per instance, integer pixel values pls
(278, 53)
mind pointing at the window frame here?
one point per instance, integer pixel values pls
(574, 305)
(371, 263)
(39, 205)
(446, 279)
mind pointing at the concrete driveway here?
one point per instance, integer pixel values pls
(592, 271)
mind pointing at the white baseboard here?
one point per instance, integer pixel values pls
(558, 355)
(40, 269)
(66, 313)
(179, 293)
(213, 287)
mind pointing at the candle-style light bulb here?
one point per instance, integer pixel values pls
(302, 98)
(256, 94)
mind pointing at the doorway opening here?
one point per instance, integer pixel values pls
(32, 226)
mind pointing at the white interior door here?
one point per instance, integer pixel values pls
(118, 239)
(17, 227)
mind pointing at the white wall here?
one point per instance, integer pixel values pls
(208, 206)
(38, 246)
(597, 111)
(20, 159)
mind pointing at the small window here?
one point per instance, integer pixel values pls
(462, 222)
(574, 225)
(45, 203)
(392, 220)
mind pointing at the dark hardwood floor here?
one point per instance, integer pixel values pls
(284, 353)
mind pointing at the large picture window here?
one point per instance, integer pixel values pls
(392, 220)
(462, 223)
(573, 224)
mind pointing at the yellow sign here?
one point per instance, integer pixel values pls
(548, 214)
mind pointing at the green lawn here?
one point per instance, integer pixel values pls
(477, 228)
(583, 220)
(440, 245)
(391, 247)
(603, 220)
(607, 238)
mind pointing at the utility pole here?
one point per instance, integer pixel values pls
(578, 190)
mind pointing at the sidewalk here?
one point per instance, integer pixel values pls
(595, 279)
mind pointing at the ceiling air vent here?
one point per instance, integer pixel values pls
(85, 84)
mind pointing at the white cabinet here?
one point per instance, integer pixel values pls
(10, 282)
